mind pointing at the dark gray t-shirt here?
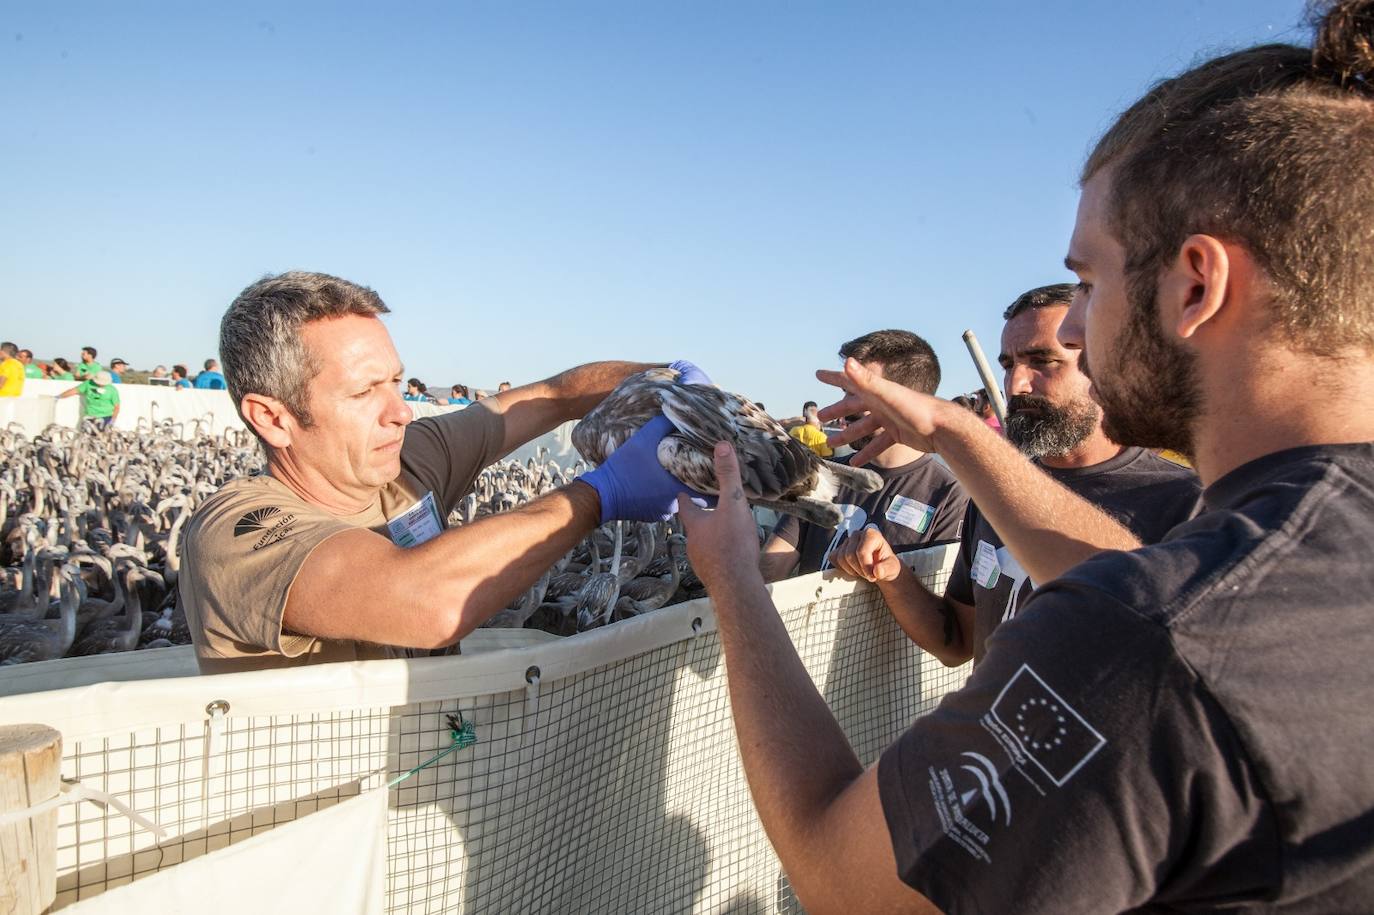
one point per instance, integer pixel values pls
(1185, 727)
(918, 504)
(1143, 491)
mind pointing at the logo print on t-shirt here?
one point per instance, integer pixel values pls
(1035, 720)
(271, 522)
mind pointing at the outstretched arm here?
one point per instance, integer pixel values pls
(436, 593)
(534, 409)
(819, 806)
(1046, 526)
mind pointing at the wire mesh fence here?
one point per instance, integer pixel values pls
(608, 786)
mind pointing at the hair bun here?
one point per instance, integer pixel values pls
(1344, 47)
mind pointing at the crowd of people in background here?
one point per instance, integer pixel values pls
(459, 395)
(17, 365)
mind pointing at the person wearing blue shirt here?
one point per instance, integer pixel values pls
(179, 379)
(117, 368)
(211, 378)
(458, 396)
(416, 391)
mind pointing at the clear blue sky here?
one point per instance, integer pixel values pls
(530, 186)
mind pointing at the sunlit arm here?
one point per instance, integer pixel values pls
(434, 594)
(1047, 527)
(819, 806)
(534, 409)
(939, 625)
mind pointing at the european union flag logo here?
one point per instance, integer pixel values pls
(1049, 731)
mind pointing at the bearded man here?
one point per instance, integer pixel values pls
(1052, 419)
(1178, 727)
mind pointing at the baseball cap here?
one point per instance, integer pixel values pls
(117, 361)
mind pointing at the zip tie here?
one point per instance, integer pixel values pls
(72, 792)
(463, 734)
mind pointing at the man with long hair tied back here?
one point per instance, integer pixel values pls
(1183, 726)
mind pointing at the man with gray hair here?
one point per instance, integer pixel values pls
(1051, 419)
(341, 550)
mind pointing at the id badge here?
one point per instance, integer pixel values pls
(985, 569)
(910, 513)
(417, 524)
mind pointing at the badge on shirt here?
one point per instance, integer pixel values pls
(910, 513)
(417, 524)
(985, 569)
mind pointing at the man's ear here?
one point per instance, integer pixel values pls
(1195, 289)
(270, 418)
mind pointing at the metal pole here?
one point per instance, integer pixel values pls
(980, 362)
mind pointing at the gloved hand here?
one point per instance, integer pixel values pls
(688, 373)
(632, 484)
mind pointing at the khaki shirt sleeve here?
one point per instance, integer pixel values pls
(447, 452)
(243, 549)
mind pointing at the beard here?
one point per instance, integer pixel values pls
(1150, 397)
(1050, 429)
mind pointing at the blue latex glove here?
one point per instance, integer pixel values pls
(632, 484)
(688, 373)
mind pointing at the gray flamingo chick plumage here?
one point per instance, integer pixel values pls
(777, 471)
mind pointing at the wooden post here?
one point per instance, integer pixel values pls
(30, 773)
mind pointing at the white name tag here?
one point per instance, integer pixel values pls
(985, 570)
(416, 524)
(910, 513)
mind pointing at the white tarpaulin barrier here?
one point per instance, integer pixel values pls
(331, 861)
(604, 777)
(192, 411)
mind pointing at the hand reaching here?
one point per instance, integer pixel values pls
(896, 414)
(722, 544)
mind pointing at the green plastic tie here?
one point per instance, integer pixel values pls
(463, 735)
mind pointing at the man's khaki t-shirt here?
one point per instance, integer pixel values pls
(246, 543)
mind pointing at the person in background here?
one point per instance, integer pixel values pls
(982, 405)
(479, 394)
(117, 369)
(11, 371)
(159, 371)
(60, 370)
(416, 392)
(809, 431)
(1051, 419)
(99, 398)
(210, 379)
(179, 379)
(31, 368)
(503, 386)
(88, 366)
(919, 503)
(458, 396)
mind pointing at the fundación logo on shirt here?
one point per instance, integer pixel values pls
(274, 525)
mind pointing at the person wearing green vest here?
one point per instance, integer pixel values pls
(99, 398)
(88, 367)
